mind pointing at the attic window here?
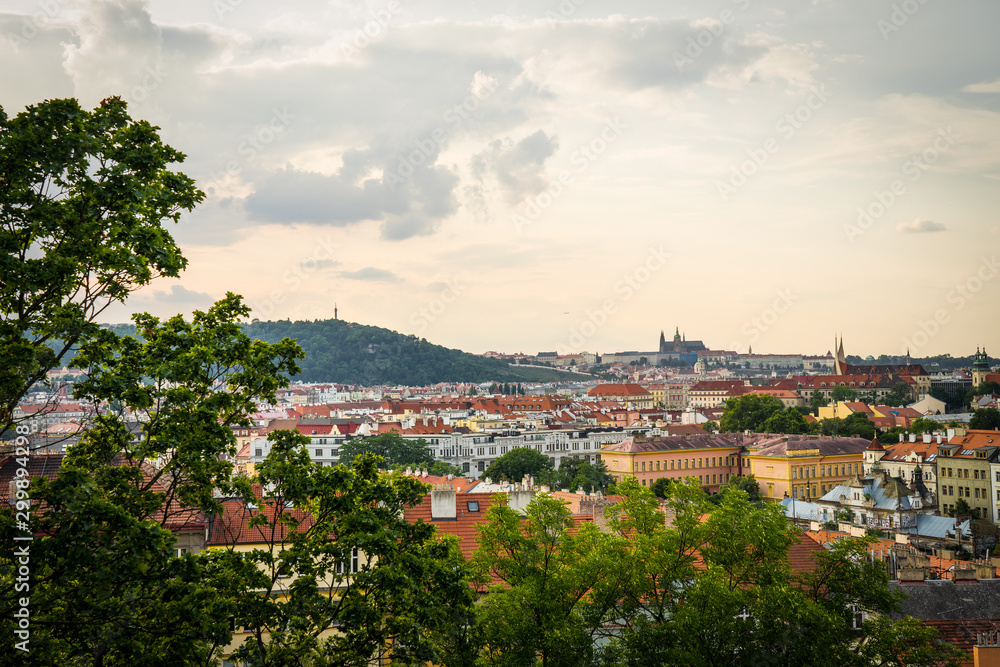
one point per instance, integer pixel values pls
(473, 505)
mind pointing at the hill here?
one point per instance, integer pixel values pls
(349, 353)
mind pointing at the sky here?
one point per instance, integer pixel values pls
(567, 176)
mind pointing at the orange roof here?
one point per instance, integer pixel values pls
(620, 390)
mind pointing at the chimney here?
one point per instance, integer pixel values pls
(443, 505)
(986, 652)
(913, 437)
(927, 438)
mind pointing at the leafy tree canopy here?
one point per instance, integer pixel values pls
(843, 394)
(985, 418)
(395, 450)
(786, 421)
(749, 412)
(91, 190)
(517, 463)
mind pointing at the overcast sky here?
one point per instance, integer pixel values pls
(526, 176)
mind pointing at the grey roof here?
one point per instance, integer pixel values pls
(891, 496)
(800, 509)
(938, 527)
(946, 599)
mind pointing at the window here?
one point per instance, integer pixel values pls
(672, 467)
(473, 505)
(258, 452)
(319, 453)
(644, 466)
(657, 465)
(353, 562)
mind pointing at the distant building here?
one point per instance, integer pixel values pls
(680, 344)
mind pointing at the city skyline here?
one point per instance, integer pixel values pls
(564, 175)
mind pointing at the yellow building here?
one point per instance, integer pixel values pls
(803, 467)
(712, 459)
(966, 467)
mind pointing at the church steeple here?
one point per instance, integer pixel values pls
(980, 367)
(840, 360)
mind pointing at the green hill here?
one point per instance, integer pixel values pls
(349, 353)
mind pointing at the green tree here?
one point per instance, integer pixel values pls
(817, 401)
(394, 449)
(517, 463)
(843, 393)
(745, 483)
(898, 395)
(985, 418)
(740, 602)
(786, 421)
(388, 586)
(104, 571)
(553, 585)
(962, 508)
(981, 390)
(661, 487)
(748, 412)
(84, 196)
(855, 424)
(581, 474)
(923, 425)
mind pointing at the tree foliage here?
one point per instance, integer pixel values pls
(683, 582)
(84, 196)
(985, 418)
(749, 413)
(843, 393)
(517, 463)
(395, 450)
(576, 474)
(817, 400)
(104, 569)
(551, 585)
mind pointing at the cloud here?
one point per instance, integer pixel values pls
(371, 274)
(519, 168)
(118, 51)
(990, 87)
(921, 226)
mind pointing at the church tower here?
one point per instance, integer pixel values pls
(840, 361)
(678, 344)
(980, 367)
(663, 342)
